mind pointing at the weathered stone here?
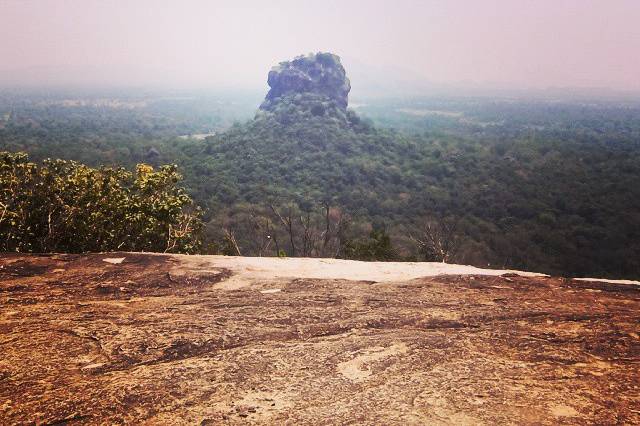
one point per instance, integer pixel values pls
(197, 340)
(320, 74)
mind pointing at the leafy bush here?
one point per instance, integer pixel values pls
(377, 247)
(64, 206)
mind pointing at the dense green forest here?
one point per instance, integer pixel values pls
(545, 185)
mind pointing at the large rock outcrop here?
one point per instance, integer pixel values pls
(143, 338)
(319, 77)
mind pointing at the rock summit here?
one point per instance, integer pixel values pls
(319, 76)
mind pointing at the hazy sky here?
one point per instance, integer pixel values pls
(191, 43)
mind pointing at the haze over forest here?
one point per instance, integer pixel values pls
(507, 133)
(319, 212)
(388, 48)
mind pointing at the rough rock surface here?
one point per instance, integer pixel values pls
(321, 75)
(160, 339)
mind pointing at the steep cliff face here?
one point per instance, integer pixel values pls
(319, 78)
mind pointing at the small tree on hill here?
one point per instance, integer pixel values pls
(437, 240)
(376, 247)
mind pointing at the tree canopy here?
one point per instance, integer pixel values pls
(64, 206)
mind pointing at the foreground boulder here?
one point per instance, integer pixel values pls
(127, 338)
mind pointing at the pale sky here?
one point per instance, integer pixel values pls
(219, 43)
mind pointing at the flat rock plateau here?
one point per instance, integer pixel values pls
(129, 338)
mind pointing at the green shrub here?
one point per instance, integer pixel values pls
(377, 247)
(64, 206)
